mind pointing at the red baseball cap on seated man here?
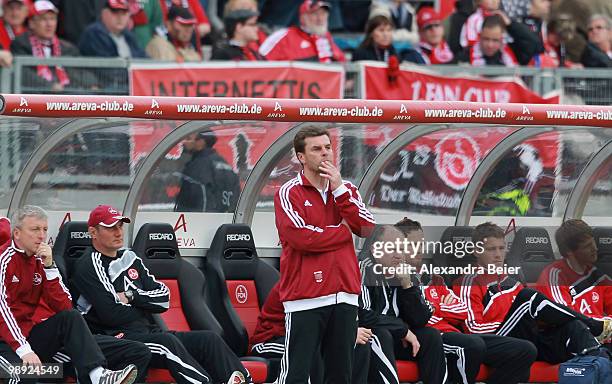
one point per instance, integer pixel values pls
(121, 5)
(312, 5)
(106, 216)
(42, 6)
(427, 16)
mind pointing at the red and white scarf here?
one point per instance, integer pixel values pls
(440, 54)
(43, 70)
(477, 58)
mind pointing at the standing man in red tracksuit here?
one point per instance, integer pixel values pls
(575, 281)
(316, 215)
(499, 304)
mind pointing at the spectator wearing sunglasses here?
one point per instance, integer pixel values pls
(598, 52)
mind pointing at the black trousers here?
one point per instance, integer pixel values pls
(274, 349)
(332, 330)
(509, 357)
(68, 331)
(118, 353)
(202, 356)
(557, 331)
(430, 358)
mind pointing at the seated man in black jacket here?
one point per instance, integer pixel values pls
(118, 296)
(242, 30)
(598, 52)
(397, 314)
(491, 48)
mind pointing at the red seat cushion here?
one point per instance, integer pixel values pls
(156, 375)
(243, 295)
(407, 370)
(174, 317)
(541, 372)
(257, 369)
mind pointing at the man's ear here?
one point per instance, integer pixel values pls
(300, 157)
(92, 231)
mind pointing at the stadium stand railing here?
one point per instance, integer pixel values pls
(109, 76)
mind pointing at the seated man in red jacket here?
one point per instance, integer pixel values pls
(28, 275)
(498, 303)
(310, 41)
(269, 336)
(575, 281)
(510, 358)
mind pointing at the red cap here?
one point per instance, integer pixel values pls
(118, 4)
(106, 216)
(181, 15)
(311, 6)
(427, 16)
(43, 6)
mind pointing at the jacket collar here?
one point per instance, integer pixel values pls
(303, 180)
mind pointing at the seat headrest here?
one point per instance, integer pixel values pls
(603, 239)
(455, 235)
(233, 248)
(72, 239)
(156, 245)
(531, 244)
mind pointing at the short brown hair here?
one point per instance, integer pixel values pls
(487, 230)
(494, 21)
(406, 225)
(571, 234)
(299, 141)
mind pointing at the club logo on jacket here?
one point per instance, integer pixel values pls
(595, 297)
(15, 279)
(133, 273)
(241, 294)
(304, 44)
(307, 204)
(318, 276)
(37, 279)
(433, 293)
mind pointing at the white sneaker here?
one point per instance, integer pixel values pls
(125, 376)
(237, 378)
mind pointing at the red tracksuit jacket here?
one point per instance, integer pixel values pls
(318, 261)
(445, 318)
(296, 45)
(24, 284)
(271, 320)
(488, 299)
(589, 294)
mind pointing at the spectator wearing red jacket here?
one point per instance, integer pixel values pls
(28, 276)
(471, 29)
(14, 15)
(317, 214)
(311, 41)
(499, 304)
(575, 281)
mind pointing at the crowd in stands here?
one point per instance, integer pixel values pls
(538, 33)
